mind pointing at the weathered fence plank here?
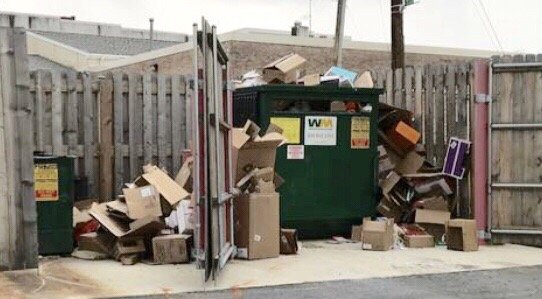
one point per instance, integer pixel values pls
(439, 120)
(147, 119)
(56, 115)
(118, 113)
(106, 139)
(89, 129)
(177, 133)
(39, 106)
(134, 128)
(162, 118)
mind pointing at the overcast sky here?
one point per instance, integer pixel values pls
(449, 23)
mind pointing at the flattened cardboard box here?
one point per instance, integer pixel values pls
(166, 186)
(145, 226)
(257, 225)
(377, 235)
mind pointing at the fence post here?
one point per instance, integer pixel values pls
(18, 217)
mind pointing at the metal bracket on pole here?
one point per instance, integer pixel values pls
(482, 98)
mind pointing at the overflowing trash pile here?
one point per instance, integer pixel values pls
(418, 196)
(152, 221)
(289, 70)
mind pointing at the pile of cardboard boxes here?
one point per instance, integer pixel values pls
(289, 70)
(415, 194)
(257, 203)
(150, 221)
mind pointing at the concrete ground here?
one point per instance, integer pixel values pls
(316, 262)
(522, 282)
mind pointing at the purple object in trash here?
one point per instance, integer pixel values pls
(456, 156)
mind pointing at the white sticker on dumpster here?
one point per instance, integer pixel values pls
(295, 152)
(320, 130)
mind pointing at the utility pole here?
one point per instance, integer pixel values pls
(397, 38)
(339, 32)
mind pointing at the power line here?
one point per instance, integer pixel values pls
(490, 31)
(491, 25)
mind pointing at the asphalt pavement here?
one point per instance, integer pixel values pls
(522, 282)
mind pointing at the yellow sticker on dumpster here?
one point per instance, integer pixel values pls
(360, 132)
(291, 127)
(46, 182)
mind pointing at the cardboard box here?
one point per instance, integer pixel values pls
(145, 226)
(142, 202)
(389, 182)
(184, 176)
(284, 69)
(356, 233)
(249, 154)
(404, 136)
(437, 203)
(165, 185)
(288, 241)
(419, 241)
(129, 246)
(461, 235)
(337, 106)
(434, 187)
(97, 241)
(311, 79)
(267, 174)
(262, 186)
(171, 249)
(364, 80)
(257, 225)
(410, 164)
(415, 236)
(377, 235)
(390, 208)
(434, 222)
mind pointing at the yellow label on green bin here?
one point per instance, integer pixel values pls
(291, 127)
(46, 182)
(359, 132)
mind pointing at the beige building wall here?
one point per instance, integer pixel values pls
(247, 55)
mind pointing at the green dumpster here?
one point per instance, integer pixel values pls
(54, 191)
(330, 162)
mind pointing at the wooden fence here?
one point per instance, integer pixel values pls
(112, 124)
(440, 97)
(516, 150)
(18, 217)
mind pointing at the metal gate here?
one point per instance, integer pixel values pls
(213, 185)
(515, 151)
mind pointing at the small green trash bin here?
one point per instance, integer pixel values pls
(330, 163)
(54, 192)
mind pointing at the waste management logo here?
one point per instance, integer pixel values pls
(320, 130)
